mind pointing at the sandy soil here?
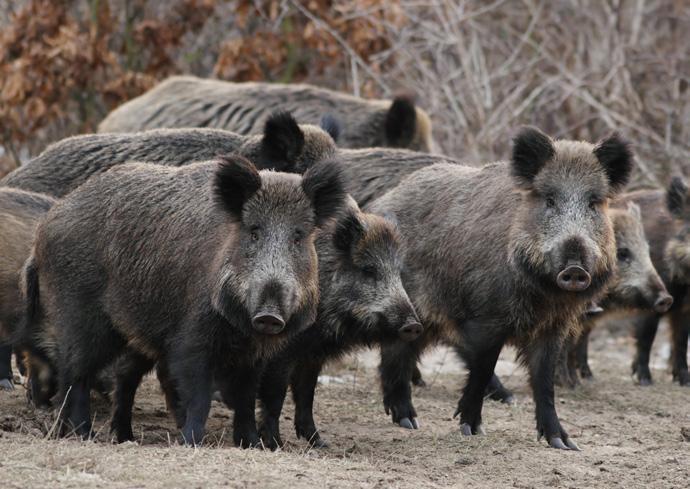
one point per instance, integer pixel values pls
(630, 437)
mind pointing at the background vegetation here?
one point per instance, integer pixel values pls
(576, 68)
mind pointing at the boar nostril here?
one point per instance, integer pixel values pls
(410, 331)
(663, 303)
(268, 323)
(574, 279)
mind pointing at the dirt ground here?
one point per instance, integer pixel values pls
(630, 437)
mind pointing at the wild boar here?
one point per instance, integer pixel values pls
(510, 252)
(208, 269)
(65, 165)
(362, 303)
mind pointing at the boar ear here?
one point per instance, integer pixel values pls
(634, 210)
(349, 229)
(401, 122)
(236, 180)
(332, 125)
(616, 157)
(676, 196)
(531, 150)
(283, 141)
(324, 184)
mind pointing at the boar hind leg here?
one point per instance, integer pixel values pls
(272, 392)
(172, 400)
(398, 361)
(679, 346)
(238, 387)
(130, 369)
(580, 356)
(481, 364)
(6, 381)
(541, 355)
(303, 385)
(496, 391)
(646, 325)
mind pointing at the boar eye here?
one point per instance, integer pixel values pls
(297, 238)
(624, 254)
(369, 271)
(593, 203)
(550, 202)
(254, 234)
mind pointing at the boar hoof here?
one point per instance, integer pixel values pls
(419, 382)
(466, 430)
(6, 385)
(217, 396)
(319, 443)
(683, 377)
(557, 442)
(644, 381)
(409, 424)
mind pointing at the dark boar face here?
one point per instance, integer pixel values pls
(677, 253)
(636, 282)
(563, 234)
(364, 282)
(268, 280)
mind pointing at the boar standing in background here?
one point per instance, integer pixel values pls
(187, 101)
(65, 165)
(635, 285)
(511, 252)
(20, 213)
(666, 218)
(362, 303)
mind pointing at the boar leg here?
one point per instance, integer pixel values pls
(190, 374)
(6, 380)
(172, 400)
(272, 392)
(563, 375)
(646, 325)
(303, 384)
(679, 345)
(417, 378)
(238, 387)
(76, 407)
(496, 391)
(130, 369)
(481, 364)
(398, 361)
(541, 355)
(581, 355)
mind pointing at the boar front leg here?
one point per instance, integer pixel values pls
(303, 383)
(238, 387)
(272, 392)
(398, 361)
(680, 325)
(541, 355)
(646, 325)
(6, 379)
(129, 370)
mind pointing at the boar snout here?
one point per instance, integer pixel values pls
(266, 322)
(663, 303)
(410, 331)
(573, 278)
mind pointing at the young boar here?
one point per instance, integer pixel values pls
(635, 285)
(187, 101)
(511, 252)
(362, 303)
(20, 213)
(206, 269)
(65, 165)
(666, 219)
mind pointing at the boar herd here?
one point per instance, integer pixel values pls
(235, 237)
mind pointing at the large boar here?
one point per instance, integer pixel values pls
(207, 269)
(20, 213)
(511, 252)
(186, 101)
(362, 303)
(65, 165)
(666, 218)
(635, 285)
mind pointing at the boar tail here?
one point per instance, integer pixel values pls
(30, 288)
